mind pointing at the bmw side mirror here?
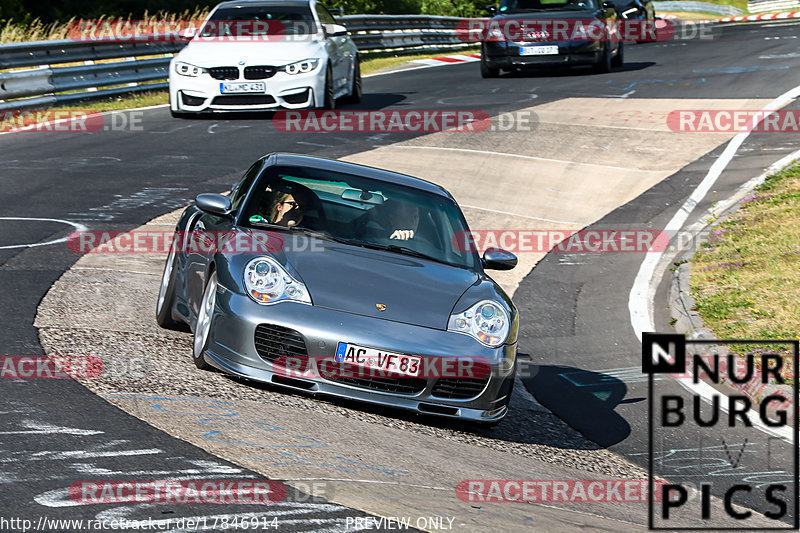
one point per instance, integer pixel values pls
(335, 30)
(491, 9)
(498, 259)
(214, 204)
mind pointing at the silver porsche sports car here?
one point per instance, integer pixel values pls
(345, 280)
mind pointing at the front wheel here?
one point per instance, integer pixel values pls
(202, 331)
(603, 64)
(330, 101)
(619, 59)
(486, 70)
(355, 91)
(166, 294)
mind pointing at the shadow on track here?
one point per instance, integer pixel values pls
(583, 399)
(371, 101)
(566, 72)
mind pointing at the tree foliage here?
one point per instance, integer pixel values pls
(55, 10)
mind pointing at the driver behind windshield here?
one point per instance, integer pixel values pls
(393, 220)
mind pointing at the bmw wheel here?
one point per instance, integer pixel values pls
(330, 101)
(356, 90)
(202, 331)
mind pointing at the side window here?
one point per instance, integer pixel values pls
(238, 195)
(324, 15)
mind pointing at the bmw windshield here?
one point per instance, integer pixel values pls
(259, 20)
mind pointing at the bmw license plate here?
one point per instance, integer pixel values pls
(378, 359)
(547, 50)
(243, 87)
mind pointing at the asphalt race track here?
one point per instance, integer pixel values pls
(583, 359)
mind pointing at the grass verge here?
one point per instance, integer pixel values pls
(745, 276)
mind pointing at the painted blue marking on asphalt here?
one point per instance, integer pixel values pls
(739, 70)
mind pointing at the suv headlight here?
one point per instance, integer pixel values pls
(186, 69)
(486, 321)
(301, 67)
(268, 282)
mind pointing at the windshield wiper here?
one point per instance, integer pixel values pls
(404, 250)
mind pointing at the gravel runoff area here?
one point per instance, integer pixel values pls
(104, 307)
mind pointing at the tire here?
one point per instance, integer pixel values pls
(330, 101)
(356, 91)
(166, 294)
(486, 70)
(619, 59)
(202, 330)
(603, 65)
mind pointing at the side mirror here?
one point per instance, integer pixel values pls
(214, 204)
(498, 259)
(187, 33)
(491, 9)
(609, 5)
(335, 30)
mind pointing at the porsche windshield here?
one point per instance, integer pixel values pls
(361, 212)
(260, 19)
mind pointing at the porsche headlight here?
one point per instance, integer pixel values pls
(186, 69)
(486, 321)
(267, 282)
(301, 67)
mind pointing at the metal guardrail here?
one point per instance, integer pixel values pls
(135, 65)
(707, 7)
(773, 6)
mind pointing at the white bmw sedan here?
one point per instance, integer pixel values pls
(259, 55)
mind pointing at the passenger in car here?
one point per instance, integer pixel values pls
(394, 220)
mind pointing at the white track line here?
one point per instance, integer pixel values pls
(642, 295)
(581, 224)
(78, 227)
(504, 154)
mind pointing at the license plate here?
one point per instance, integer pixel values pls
(538, 50)
(378, 359)
(243, 87)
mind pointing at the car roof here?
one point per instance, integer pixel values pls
(266, 3)
(333, 165)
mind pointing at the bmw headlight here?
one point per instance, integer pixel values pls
(486, 321)
(267, 282)
(186, 69)
(301, 67)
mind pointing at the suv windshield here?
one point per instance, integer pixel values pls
(259, 20)
(516, 6)
(361, 212)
